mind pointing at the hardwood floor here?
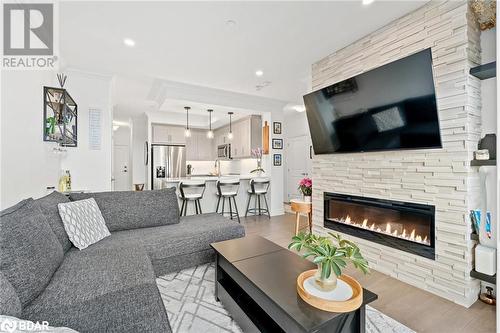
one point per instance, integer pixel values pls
(415, 308)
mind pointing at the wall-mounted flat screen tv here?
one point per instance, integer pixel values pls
(387, 108)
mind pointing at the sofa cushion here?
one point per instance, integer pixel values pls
(10, 305)
(83, 222)
(192, 235)
(29, 251)
(48, 204)
(135, 209)
(103, 290)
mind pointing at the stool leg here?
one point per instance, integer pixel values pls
(236, 209)
(185, 208)
(195, 207)
(230, 209)
(267, 207)
(297, 221)
(182, 207)
(258, 196)
(218, 202)
(199, 205)
(255, 206)
(223, 202)
(310, 221)
(248, 204)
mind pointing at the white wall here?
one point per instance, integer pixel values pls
(90, 169)
(488, 87)
(28, 164)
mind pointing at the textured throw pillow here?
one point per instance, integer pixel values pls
(48, 205)
(29, 251)
(83, 222)
(124, 210)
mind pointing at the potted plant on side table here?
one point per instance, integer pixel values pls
(305, 186)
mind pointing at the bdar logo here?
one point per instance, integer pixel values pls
(28, 29)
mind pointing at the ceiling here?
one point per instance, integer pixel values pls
(193, 43)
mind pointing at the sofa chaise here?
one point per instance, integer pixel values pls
(111, 285)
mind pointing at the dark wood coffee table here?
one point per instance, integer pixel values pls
(256, 280)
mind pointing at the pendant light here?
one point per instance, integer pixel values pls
(230, 135)
(210, 133)
(187, 132)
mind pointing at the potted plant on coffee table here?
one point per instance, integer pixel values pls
(331, 254)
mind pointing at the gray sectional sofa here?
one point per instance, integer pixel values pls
(111, 285)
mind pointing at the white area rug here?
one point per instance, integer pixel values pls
(188, 296)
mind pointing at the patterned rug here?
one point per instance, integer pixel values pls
(188, 296)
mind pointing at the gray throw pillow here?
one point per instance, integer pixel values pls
(48, 204)
(135, 209)
(29, 251)
(10, 305)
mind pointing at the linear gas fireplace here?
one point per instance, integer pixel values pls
(401, 225)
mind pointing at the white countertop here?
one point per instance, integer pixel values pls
(210, 178)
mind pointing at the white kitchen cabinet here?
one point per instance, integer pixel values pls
(247, 135)
(168, 134)
(199, 147)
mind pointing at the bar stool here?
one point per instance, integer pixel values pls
(258, 188)
(191, 191)
(228, 189)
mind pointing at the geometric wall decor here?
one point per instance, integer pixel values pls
(60, 116)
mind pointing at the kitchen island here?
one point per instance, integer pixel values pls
(209, 201)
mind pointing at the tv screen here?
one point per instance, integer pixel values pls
(389, 107)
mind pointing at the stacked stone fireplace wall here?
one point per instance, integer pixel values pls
(439, 177)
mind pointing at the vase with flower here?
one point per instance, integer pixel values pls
(256, 153)
(305, 187)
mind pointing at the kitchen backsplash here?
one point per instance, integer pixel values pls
(243, 166)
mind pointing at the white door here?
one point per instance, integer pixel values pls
(299, 155)
(121, 172)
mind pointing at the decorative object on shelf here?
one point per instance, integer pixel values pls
(277, 159)
(347, 297)
(489, 142)
(265, 138)
(482, 155)
(276, 127)
(277, 143)
(331, 257)
(60, 115)
(210, 133)
(64, 181)
(187, 131)
(138, 187)
(305, 187)
(485, 260)
(230, 134)
(257, 154)
(485, 12)
(488, 297)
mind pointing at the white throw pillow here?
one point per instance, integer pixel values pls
(83, 222)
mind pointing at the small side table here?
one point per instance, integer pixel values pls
(304, 207)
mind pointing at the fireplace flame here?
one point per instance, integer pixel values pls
(412, 236)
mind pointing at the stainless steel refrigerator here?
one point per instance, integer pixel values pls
(167, 161)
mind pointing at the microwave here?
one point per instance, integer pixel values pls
(224, 151)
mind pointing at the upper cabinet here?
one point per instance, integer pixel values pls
(247, 135)
(199, 147)
(168, 134)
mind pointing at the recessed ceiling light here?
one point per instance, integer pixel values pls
(299, 108)
(129, 42)
(367, 2)
(259, 72)
(231, 23)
